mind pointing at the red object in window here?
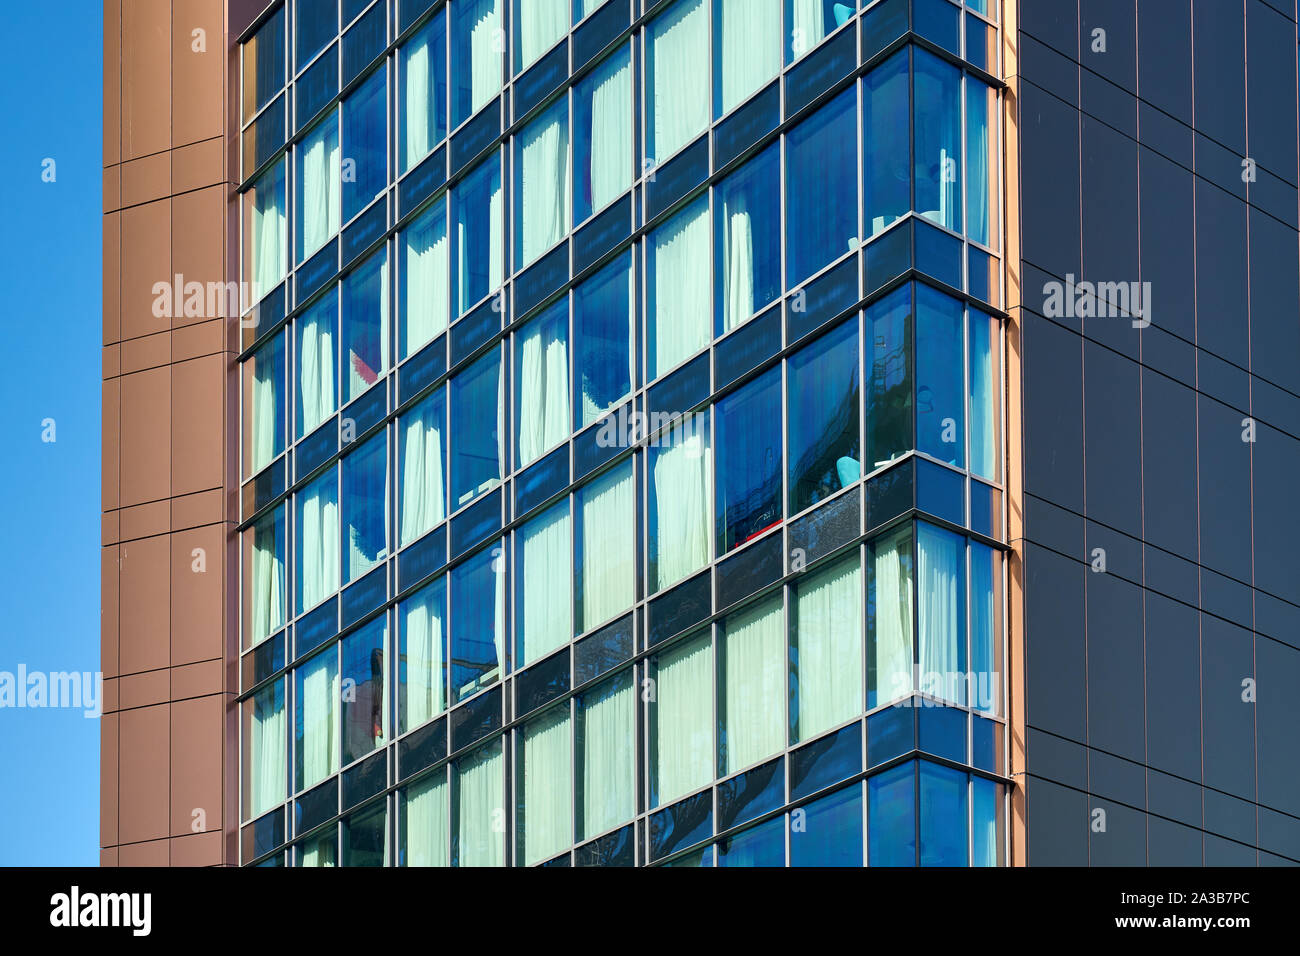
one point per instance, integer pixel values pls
(761, 531)
(365, 371)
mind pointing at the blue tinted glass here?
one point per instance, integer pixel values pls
(364, 718)
(889, 378)
(365, 139)
(477, 655)
(938, 254)
(943, 816)
(602, 135)
(477, 47)
(891, 816)
(941, 612)
(826, 761)
(986, 804)
(821, 188)
(682, 824)
(422, 93)
(316, 22)
(762, 846)
(422, 668)
(476, 437)
(824, 443)
(542, 383)
(480, 245)
(986, 746)
(940, 491)
(263, 64)
(943, 732)
(981, 184)
(318, 540)
(938, 140)
(985, 377)
(602, 324)
(937, 20)
(828, 832)
(744, 797)
(890, 733)
(317, 171)
(365, 325)
(985, 628)
(747, 238)
(885, 116)
(365, 508)
(541, 184)
(940, 382)
(749, 461)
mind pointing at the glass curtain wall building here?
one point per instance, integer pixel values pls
(622, 434)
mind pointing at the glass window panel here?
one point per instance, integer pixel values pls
(986, 627)
(479, 839)
(316, 691)
(748, 36)
(891, 816)
(602, 323)
(941, 612)
(885, 107)
(480, 235)
(607, 749)
(828, 832)
(266, 232)
(986, 815)
(751, 725)
(683, 720)
(477, 428)
(826, 650)
(266, 744)
(938, 140)
(981, 170)
(263, 64)
(365, 324)
(422, 92)
(539, 24)
(810, 21)
(602, 130)
(478, 43)
(546, 786)
(422, 432)
(764, 845)
(889, 378)
(542, 383)
(365, 506)
(544, 584)
(940, 407)
(264, 406)
(606, 575)
(422, 668)
(678, 62)
(679, 293)
(425, 834)
(317, 337)
(747, 237)
(316, 22)
(365, 143)
(320, 850)
(821, 188)
(264, 577)
(681, 474)
(985, 386)
(317, 570)
(943, 816)
(477, 623)
(542, 184)
(889, 618)
(424, 295)
(318, 176)
(749, 461)
(585, 8)
(365, 691)
(824, 422)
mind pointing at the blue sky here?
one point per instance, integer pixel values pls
(51, 73)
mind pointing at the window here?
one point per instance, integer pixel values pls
(542, 383)
(320, 850)
(938, 140)
(480, 237)
(889, 617)
(941, 612)
(477, 46)
(606, 741)
(943, 816)
(605, 574)
(365, 142)
(826, 649)
(678, 63)
(889, 378)
(810, 21)
(477, 447)
(679, 293)
(602, 130)
(477, 623)
(887, 125)
(602, 323)
(365, 692)
(986, 628)
(422, 668)
(266, 232)
(748, 36)
(680, 475)
(365, 837)
(425, 833)
(542, 184)
(981, 171)
(940, 407)
(682, 742)
(265, 751)
(319, 176)
(763, 845)
(751, 722)
(365, 508)
(986, 818)
(891, 813)
(425, 298)
(821, 191)
(539, 24)
(421, 432)
(317, 331)
(831, 834)
(985, 386)
(824, 444)
(264, 580)
(422, 93)
(546, 786)
(316, 22)
(544, 584)
(365, 325)
(317, 692)
(749, 461)
(263, 65)
(263, 423)
(747, 237)
(318, 541)
(479, 838)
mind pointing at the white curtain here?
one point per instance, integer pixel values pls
(427, 834)
(546, 584)
(543, 386)
(940, 575)
(316, 364)
(829, 648)
(470, 225)
(684, 719)
(983, 403)
(987, 803)
(680, 44)
(270, 233)
(423, 490)
(893, 618)
(681, 480)
(548, 775)
(608, 757)
(481, 820)
(423, 634)
(809, 26)
(266, 370)
(485, 52)
(979, 182)
(267, 578)
(419, 122)
(682, 316)
(268, 750)
(591, 6)
(738, 270)
(427, 273)
(541, 24)
(608, 547)
(322, 851)
(751, 47)
(611, 130)
(320, 187)
(754, 662)
(320, 695)
(318, 542)
(544, 185)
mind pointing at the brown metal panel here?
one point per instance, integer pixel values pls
(198, 576)
(146, 77)
(197, 70)
(145, 741)
(196, 765)
(145, 615)
(146, 259)
(146, 425)
(198, 409)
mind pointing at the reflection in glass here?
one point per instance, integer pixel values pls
(365, 507)
(940, 405)
(749, 461)
(603, 341)
(824, 448)
(319, 177)
(938, 140)
(887, 125)
(365, 697)
(478, 441)
(365, 324)
(422, 694)
(477, 628)
(747, 236)
(889, 378)
(480, 236)
(821, 188)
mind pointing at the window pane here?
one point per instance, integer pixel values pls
(320, 850)
(749, 48)
(891, 813)
(544, 584)
(602, 130)
(264, 64)
(318, 175)
(265, 751)
(422, 668)
(425, 834)
(940, 407)
(748, 239)
(539, 24)
(941, 612)
(885, 109)
(546, 793)
(542, 383)
(889, 378)
(365, 324)
(826, 650)
(317, 363)
(981, 173)
(607, 745)
(938, 140)
(266, 233)
(365, 143)
(542, 184)
(752, 722)
(821, 188)
(477, 46)
(263, 406)
(478, 441)
(603, 337)
(986, 812)
(424, 293)
(316, 22)
(764, 845)
(477, 628)
(316, 727)
(810, 21)
(606, 576)
(318, 541)
(480, 239)
(681, 473)
(365, 692)
(986, 627)
(985, 382)
(683, 718)
(678, 292)
(831, 831)
(421, 432)
(943, 816)
(480, 823)
(264, 581)
(422, 91)
(678, 65)
(889, 618)
(365, 506)
(749, 461)
(824, 422)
